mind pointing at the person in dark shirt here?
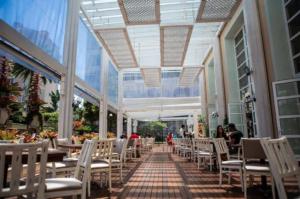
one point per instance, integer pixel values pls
(234, 134)
(235, 137)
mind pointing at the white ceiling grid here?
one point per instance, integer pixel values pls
(157, 33)
(188, 75)
(117, 43)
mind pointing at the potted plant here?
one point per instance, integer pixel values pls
(34, 118)
(9, 90)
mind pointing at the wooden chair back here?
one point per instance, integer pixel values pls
(121, 145)
(35, 177)
(282, 162)
(103, 149)
(84, 160)
(252, 149)
(204, 144)
(221, 149)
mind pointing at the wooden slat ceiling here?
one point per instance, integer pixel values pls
(151, 76)
(188, 75)
(139, 12)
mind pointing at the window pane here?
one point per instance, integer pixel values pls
(295, 144)
(42, 22)
(292, 8)
(290, 126)
(288, 89)
(134, 87)
(289, 106)
(88, 58)
(112, 84)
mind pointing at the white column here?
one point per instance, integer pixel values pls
(67, 81)
(135, 123)
(119, 123)
(103, 99)
(203, 93)
(129, 130)
(220, 101)
(120, 105)
(195, 119)
(257, 62)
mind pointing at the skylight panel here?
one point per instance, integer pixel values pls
(103, 12)
(202, 38)
(176, 12)
(145, 41)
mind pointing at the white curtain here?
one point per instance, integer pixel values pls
(88, 58)
(42, 22)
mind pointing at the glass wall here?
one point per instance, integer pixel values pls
(112, 84)
(29, 99)
(134, 87)
(88, 59)
(42, 22)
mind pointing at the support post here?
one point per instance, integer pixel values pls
(103, 99)
(257, 61)
(129, 130)
(220, 101)
(196, 129)
(67, 81)
(119, 123)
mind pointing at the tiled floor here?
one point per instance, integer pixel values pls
(161, 174)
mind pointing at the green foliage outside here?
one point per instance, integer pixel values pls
(50, 121)
(153, 129)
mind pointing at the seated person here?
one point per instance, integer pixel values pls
(170, 139)
(221, 133)
(234, 136)
(134, 136)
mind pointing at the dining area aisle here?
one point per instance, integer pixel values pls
(162, 174)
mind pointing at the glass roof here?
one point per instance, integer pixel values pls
(146, 40)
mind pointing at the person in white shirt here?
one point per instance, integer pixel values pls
(181, 131)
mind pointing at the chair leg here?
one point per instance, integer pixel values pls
(109, 179)
(241, 179)
(210, 163)
(121, 174)
(273, 187)
(220, 177)
(245, 184)
(229, 177)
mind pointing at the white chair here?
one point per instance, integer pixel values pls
(35, 178)
(61, 187)
(131, 149)
(186, 148)
(117, 163)
(177, 145)
(65, 167)
(205, 152)
(227, 165)
(102, 161)
(282, 161)
(253, 154)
